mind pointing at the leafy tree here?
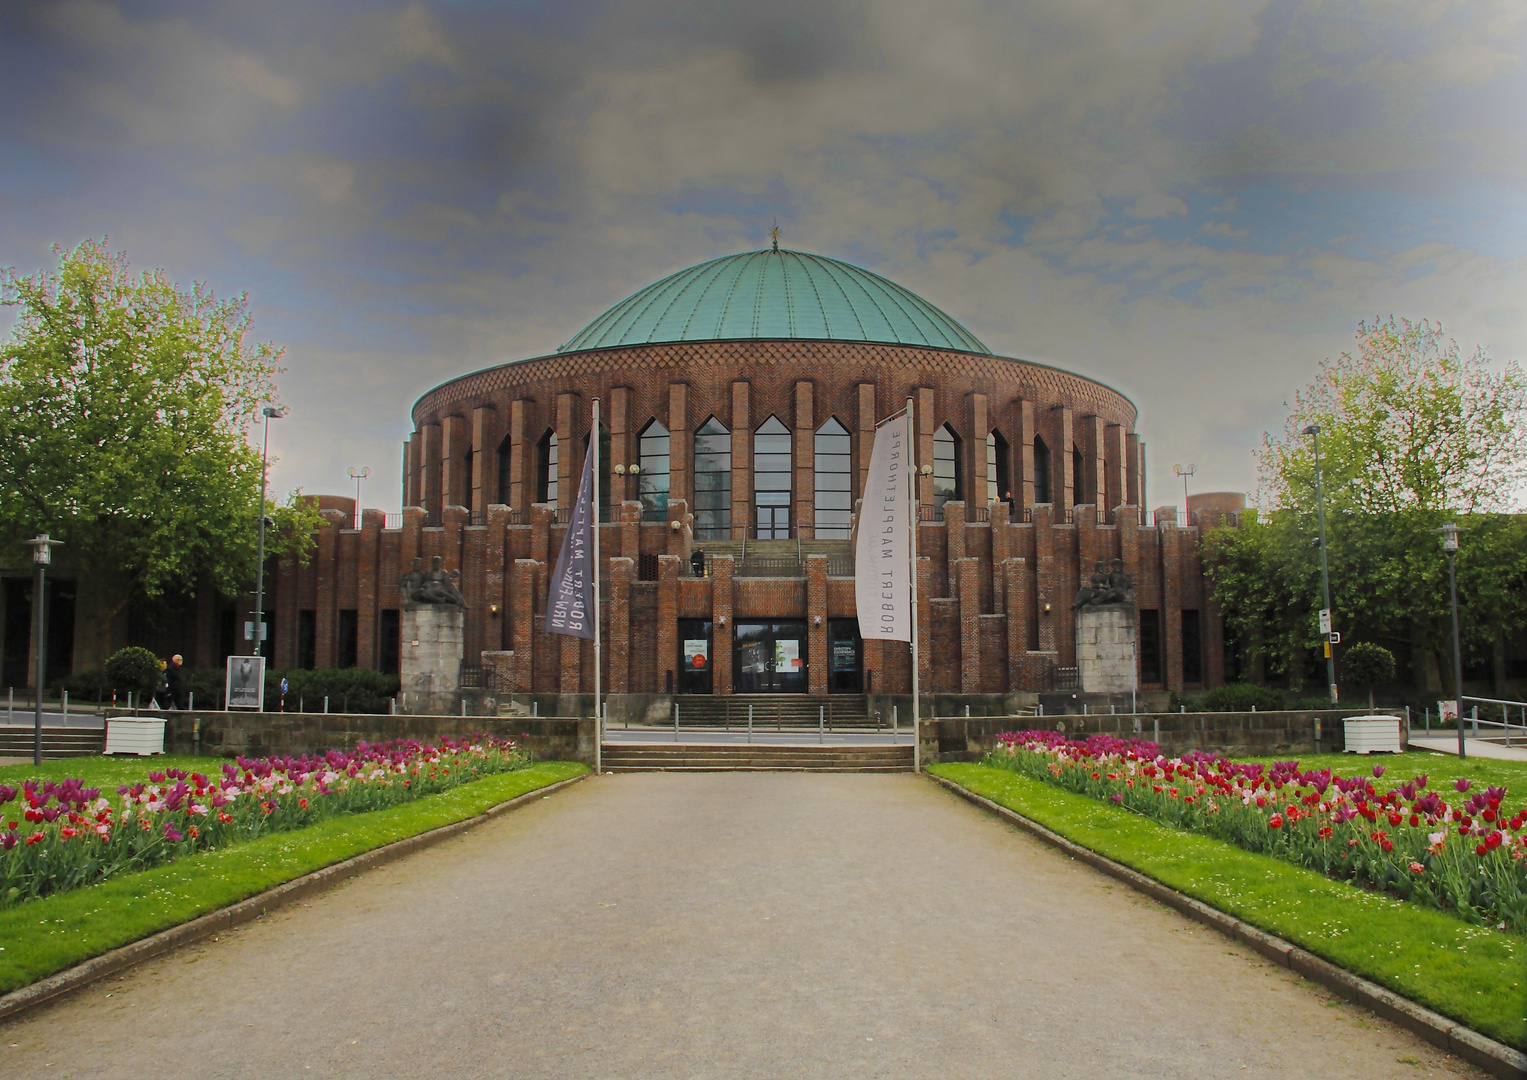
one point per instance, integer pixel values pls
(1412, 434)
(1367, 664)
(126, 407)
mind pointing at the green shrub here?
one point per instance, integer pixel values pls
(134, 670)
(1239, 697)
(356, 690)
(83, 686)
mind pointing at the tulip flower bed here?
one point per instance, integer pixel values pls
(62, 835)
(1467, 856)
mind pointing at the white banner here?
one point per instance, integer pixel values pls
(883, 581)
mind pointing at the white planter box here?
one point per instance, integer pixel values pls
(1372, 734)
(134, 735)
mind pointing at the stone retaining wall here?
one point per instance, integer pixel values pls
(1233, 734)
(225, 734)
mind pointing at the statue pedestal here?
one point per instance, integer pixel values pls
(433, 646)
(1106, 648)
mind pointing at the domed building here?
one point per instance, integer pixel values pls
(738, 405)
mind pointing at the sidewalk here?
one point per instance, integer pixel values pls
(1448, 744)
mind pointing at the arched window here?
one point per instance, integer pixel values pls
(505, 462)
(652, 481)
(834, 481)
(771, 479)
(1041, 471)
(1079, 493)
(946, 468)
(713, 481)
(546, 469)
(999, 483)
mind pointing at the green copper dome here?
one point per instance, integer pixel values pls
(775, 294)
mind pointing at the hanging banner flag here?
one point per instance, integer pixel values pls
(882, 572)
(570, 594)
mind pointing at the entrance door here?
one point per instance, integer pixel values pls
(696, 658)
(845, 654)
(773, 521)
(771, 657)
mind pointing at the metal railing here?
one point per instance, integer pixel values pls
(477, 517)
(930, 512)
(392, 521)
(978, 513)
(646, 567)
(772, 566)
(1068, 679)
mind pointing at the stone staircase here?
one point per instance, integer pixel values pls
(776, 712)
(692, 757)
(56, 742)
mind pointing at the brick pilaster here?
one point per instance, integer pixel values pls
(723, 574)
(429, 467)
(520, 494)
(804, 445)
(742, 459)
(680, 442)
(817, 660)
(968, 571)
(668, 567)
(974, 465)
(523, 587)
(618, 651)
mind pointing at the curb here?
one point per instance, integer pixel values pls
(1496, 1058)
(214, 922)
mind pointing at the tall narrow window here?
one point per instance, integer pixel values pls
(388, 649)
(505, 461)
(771, 479)
(1079, 493)
(1041, 471)
(713, 481)
(605, 473)
(546, 469)
(467, 465)
(652, 482)
(834, 488)
(998, 480)
(1150, 645)
(348, 638)
(307, 640)
(1192, 648)
(946, 468)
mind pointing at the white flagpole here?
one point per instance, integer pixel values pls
(598, 717)
(914, 511)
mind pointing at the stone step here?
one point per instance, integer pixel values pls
(702, 758)
(17, 742)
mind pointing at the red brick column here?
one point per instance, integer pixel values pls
(411, 452)
(967, 570)
(368, 587)
(1001, 550)
(630, 530)
(428, 488)
(623, 450)
(325, 564)
(1064, 485)
(976, 423)
(523, 587)
(617, 587)
(1114, 458)
(864, 437)
(495, 562)
(570, 673)
(520, 495)
(816, 624)
(1171, 607)
(723, 574)
(680, 440)
(484, 461)
(924, 624)
(1019, 611)
(1047, 587)
(742, 459)
(1023, 491)
(667, 620)
(804, 497)
(927, 423)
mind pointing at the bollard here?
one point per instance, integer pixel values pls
(10, 705)
(66, 708)
(130, 703)
(750, 723)
(967, 712)
(1156, 732)
(675, 721)
(1476, 721)
(326, 704)
(821, 722)
(1426, 717)
(392, 706)
(463, 707)
(1041, 711)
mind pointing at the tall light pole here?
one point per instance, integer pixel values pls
(1450, 546)
(42, 555)
(270, 412)
(1185, 472)
(1325, 569)
(358, 475)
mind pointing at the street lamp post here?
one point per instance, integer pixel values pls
(270, 412)
(1325, 570)
(1185, 472)
(42, 554)
(358, 475)
(1450, 546)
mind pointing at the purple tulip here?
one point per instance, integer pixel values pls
(1461, 785)
(7, 793)
(1378, 771)
(172, 834)
(1116, 797)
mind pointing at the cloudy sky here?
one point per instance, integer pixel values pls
(1192, 200)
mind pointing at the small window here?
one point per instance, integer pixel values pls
(546, 469)
(834, 481)
(946, 468)
(1041, 471)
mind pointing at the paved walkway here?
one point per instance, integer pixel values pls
(1448, 744)
(720, 925)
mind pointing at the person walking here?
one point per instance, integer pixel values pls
(175, 682)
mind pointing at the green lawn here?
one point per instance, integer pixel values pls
(107, 772)
(1475, 975)
(44, 936)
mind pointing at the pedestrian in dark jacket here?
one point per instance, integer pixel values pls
(175, 679)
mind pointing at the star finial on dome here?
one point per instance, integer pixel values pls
(774, 234)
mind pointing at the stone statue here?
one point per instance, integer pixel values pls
(1106, 587)
(430, 587)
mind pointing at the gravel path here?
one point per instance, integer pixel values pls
(720, 925)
